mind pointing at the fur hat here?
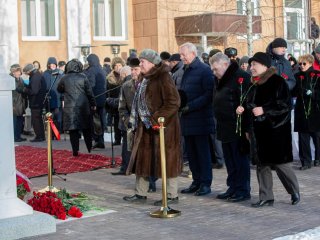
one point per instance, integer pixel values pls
(231, 52)
(175, 57)
(213, 52)
(279, 42)
(61, 63)
(134, 62)
(106, 59)
(262, 58)
(116, 60)
(165, 56)
(28, 68)
(151, 56)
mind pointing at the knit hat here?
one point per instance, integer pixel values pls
(279, 42)
(116, 60)
(151, 56)
(15, 67)
(243, 60)
(165, 56)
(317, 49)
(175, 57)
(262, 58)
(52, 60)
(134, 62)
(28, 68)
(213, 52)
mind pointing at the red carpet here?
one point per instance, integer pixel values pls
(33, 161)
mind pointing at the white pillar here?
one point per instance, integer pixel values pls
(78, 25)
(10, 205)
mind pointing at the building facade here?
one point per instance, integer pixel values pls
(37, 29)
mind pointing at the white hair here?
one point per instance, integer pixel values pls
(190, 46)
(125, 70)
(219, 57)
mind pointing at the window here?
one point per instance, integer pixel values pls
(109, 19)
(241, 7)
(295, 22)
(40, 19)
(293, 3)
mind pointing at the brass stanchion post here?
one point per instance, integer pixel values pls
(165, 211)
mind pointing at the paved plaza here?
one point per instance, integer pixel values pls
(202, 217)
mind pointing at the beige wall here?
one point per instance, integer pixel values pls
(41, 50)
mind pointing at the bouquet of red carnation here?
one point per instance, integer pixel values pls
(75, 212)
(48, 202)
(23, 185)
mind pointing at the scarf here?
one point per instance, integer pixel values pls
(140, 108)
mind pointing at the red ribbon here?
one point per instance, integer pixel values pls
(54, 130)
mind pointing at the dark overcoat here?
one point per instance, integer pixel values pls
(273, 129)
(162, 100)
(197, 83)
(307, 91)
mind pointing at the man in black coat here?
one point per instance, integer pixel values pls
(36, 91)
(197, 119)
(231, 131)
(177, 70)
(97, 79)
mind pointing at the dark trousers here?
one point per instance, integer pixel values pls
(17, 126)
(238, 169)
(99, 138)
(285, 174)
(305, 148)
(125, 154)
(117, 131)
(75, 136)
(37, 123)
(198, 150)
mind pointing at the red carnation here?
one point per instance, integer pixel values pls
(240, 80)
(156, 127)
(312, 74)
(75, 212)
(301, 77)
(256, 79)
(285, 76)
(318, 74)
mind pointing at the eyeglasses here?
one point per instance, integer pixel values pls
(303, 63)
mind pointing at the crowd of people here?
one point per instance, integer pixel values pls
(219, 110)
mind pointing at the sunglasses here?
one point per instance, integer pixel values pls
(303, 63)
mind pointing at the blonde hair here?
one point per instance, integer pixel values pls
(306, 58)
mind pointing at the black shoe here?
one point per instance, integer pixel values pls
(20, 140)
(225, 195)
(203, 190)
(75, 153)
(262, 203)
(27, 133)
(115, 143)
(191, 189)
(98, 145)
(37, 140)
(295, 198)
(169, 201)
(316, 163)
(217, 165)
(118, 173)
(238, 198)
(135, 198)
(305, 167)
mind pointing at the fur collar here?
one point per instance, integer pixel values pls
(233, 67)
(114, 78)
(264, 76)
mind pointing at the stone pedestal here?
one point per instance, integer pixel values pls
(10, 206)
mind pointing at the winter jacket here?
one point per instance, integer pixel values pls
(36, 90)
(52, 78)
(283, 67)
(96, 76)
(197, 83)
(177, 73)
(18, 98)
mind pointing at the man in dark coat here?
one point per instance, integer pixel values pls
(231, 131)
(277, 49)
(36, 91)
(177, 70)
(97, 79)
(269, 104)
(155, 97)
(78, 103)
(197, 119)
